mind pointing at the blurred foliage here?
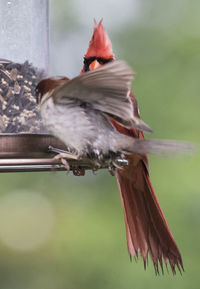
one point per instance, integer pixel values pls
(87, 247)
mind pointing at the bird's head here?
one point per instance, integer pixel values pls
(100, 49)
(46, 86)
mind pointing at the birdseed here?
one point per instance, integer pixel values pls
(18, 108)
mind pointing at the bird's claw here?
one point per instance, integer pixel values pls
(117, 163)
(63, 160)
(63, 154)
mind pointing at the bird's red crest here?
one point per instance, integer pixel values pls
(100, 44)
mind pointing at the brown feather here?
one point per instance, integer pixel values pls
(147, 230)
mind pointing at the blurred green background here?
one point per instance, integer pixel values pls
(59, 231)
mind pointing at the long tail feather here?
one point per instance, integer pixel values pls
(146, 227)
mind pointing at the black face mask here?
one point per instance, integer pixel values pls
(88, 61)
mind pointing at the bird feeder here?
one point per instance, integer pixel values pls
(24, 60)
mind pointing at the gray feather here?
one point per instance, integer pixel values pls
(163, 148)
(106, 89)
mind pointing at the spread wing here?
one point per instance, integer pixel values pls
(105, 89)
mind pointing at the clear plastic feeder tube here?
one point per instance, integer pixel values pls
(24, 59)
(24, 32)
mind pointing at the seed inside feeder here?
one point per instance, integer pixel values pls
(18, 109)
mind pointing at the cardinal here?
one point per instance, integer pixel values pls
(147, 231)
(78, 112)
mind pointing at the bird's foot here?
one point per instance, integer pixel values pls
(117, 163)
(63, 156)
(120, 163)
(63, 161)
(112, 161)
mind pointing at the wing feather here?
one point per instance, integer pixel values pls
(107, 90)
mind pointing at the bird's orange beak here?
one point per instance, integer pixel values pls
(94, 65)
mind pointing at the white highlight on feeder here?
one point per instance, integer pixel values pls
(26, 220)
